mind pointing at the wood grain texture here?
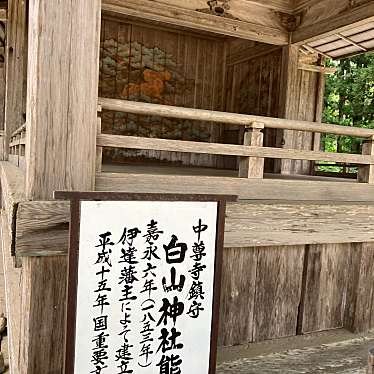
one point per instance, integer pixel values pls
(324, 18)
(43, 313)
(13, 296)
(278, 291)
(16, 63)
(366, 173)
(358, 314)
(229, 118)
(252, 167)
(293, 190)
(325, 288)
(237, 296)
(254, 22)
(12, 192)
(62, 113)
(62, 96)
(48, 234)
(143, 63)
(133, 142)
(301, 99)
(253, 88)
(42, 226)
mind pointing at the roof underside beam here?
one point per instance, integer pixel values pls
(243, 19)
(331, 17)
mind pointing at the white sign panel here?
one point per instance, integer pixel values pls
(145, 287)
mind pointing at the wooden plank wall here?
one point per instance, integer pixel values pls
(273, 292)
(161, 66)
(253, 86)
(2, 73)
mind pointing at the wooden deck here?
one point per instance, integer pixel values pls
(160, 169)
(278, 210)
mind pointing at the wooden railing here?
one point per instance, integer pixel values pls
(17, 147)
(251, 153)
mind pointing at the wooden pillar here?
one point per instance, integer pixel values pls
(63, 63)
(371, 361)
(366, 172)
(288, 102)
(320, 93)
(16, 66)
(252, 167)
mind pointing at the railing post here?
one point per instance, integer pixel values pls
(370, 369)
(366, 172)
(252, 167)
(99, 150)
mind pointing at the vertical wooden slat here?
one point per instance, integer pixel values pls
(325, 287)
(15, 57)
(237, 296)
(359, 308)
(278, 291)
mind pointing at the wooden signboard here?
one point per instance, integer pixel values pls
(144, 283)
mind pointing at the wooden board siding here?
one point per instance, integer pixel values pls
(325, 286)
(237, 296)
(272, 292)
(278, 290)
(16, 67)
(359, 311)
(161, 66)
(253, 88)
(13, 296)
(261, 290)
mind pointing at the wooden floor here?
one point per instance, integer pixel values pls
(160, 169)
(334, 352)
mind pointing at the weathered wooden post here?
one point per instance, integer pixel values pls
(366, 172)
(252, 167)
(62, 88)
(370, 369)
(99, 150)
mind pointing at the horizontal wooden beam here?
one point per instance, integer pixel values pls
(317, 69)
(260, 224)
(133, 142)
(186, 15)
(229, 118)
(331, 18)
(18, 142)
(43, 226)
(246, 189)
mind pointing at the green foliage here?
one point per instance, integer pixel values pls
(349, 100)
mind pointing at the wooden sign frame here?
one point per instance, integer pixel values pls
(73, 261)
